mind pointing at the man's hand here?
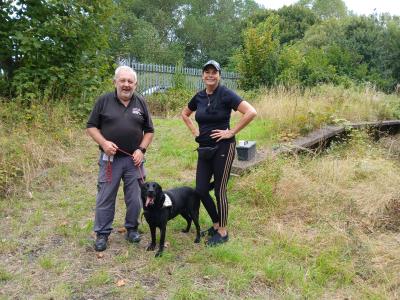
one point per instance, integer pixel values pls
(137, 157)
(109, 148)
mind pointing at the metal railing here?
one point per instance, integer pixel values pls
(152, 77)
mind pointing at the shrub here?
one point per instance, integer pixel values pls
(169, 103)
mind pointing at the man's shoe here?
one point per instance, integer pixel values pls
(133, 236)
(217, 239)
(101, 242)
(209, 232)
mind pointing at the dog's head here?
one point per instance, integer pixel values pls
(152, 195)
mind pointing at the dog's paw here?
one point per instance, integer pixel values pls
(185, 231)
(159, 253)
(150, 247)
(197, 240)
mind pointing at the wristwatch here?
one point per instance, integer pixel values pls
(142, 149)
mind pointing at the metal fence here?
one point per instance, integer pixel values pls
(152, 77)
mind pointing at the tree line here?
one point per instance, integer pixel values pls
(57, 48)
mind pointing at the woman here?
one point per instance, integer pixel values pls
(217, 144)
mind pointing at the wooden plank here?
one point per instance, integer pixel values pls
(317, 137)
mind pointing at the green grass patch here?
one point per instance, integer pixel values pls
(99, 278)
(5, 275)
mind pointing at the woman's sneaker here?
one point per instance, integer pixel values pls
(217, 239)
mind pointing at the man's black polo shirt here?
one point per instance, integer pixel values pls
(122, 125)
(213, 112)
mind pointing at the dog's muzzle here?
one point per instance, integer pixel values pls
(149, 200)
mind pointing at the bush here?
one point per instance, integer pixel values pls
(169, 103)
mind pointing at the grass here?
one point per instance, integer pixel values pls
(295, 112)
(316, 227)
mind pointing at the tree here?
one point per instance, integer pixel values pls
(257, 61)
(369, 38)
(316, 68)
(393, 46)
(359, 48)
(139, 40)
(174, 30)
(54, 46)
(145, 31)
(294, 21)
(211, 29)
(330, 8)
(326, 9)
(289, 66)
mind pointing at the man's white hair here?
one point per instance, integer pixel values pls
(125, 68)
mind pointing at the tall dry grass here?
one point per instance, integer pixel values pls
(344, 201)
(33, 139)
(300, 111)
(358, 174)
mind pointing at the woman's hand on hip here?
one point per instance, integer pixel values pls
(222, 134)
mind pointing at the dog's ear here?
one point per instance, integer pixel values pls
(143, 190)
(159, 195)
(158, 188)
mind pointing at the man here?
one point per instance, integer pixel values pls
(120, 124)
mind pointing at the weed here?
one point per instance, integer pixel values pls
(46, 262)
(60, 291)
(186, 291)
(4, 275)
(99, 278)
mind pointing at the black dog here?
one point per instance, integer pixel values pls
(159, 207)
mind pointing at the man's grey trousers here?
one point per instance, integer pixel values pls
(122, 168)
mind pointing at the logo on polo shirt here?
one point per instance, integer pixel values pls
(136, 111)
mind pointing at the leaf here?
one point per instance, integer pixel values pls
(120, 282)
(121, 230)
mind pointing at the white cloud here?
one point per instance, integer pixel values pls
(360, 7)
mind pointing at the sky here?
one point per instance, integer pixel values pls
(359, 7)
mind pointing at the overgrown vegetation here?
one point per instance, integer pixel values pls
(297, 112)
(313, 226)
(283, 115)
(53, 49)
(322, 225)
(296, 45)
(65, 49)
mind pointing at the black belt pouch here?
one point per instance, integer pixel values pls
(207, 153)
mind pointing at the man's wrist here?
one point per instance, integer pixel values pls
(142, 149)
